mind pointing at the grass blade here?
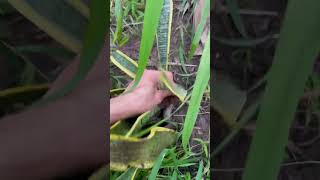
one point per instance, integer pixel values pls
(129, 174)
(93, 43)
(200, 28)
(164, 33)
(156, 167)
(234, 11)
(200, 85)
(199, 173)
(150, 25)
(293, 62)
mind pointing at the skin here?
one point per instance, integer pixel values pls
(143, 98)
(70, 135)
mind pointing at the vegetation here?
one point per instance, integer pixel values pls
(294, 58)
(181, 161)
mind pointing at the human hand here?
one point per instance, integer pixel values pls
(147, 94)
(143, 98)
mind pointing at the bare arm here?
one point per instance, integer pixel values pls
(62, 138)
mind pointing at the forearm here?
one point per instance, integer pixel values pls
(31, 148)
(123, 106)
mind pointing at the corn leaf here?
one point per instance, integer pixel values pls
(150, 24)
(202, 79)
(54, 18)
(197, 36)
(93, 43)
(164, 33)
(295, 55)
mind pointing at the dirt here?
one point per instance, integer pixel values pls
(229, 164)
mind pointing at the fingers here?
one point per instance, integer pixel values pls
(154, 76)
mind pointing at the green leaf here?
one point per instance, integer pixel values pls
(295, 55)
(199, 173)
(51, 51)
(228, 99)
(233, 8)
(150, 24)
(125, 63)
(248, 113)
(22, 95)
(245, 42)
(156, 167)
(196, 39)
(119, 19)
(141, 121)
(176, 89)
(139, 152)
(164, 33)
(81, 7)
(129, 174)
(200, 85)
(54, 18)
(93, 43)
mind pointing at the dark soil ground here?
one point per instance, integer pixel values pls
(304, 144)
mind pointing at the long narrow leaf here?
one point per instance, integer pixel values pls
(150, 24)
(235, 14)
(93, 43)
(54, 18)
(200, 28)
(119, 19)
(164, 33)
(129, 174)
(200, 85)
(199, 173)
(294, 57)
(156, 167)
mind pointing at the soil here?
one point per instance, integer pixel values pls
(229, 164)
